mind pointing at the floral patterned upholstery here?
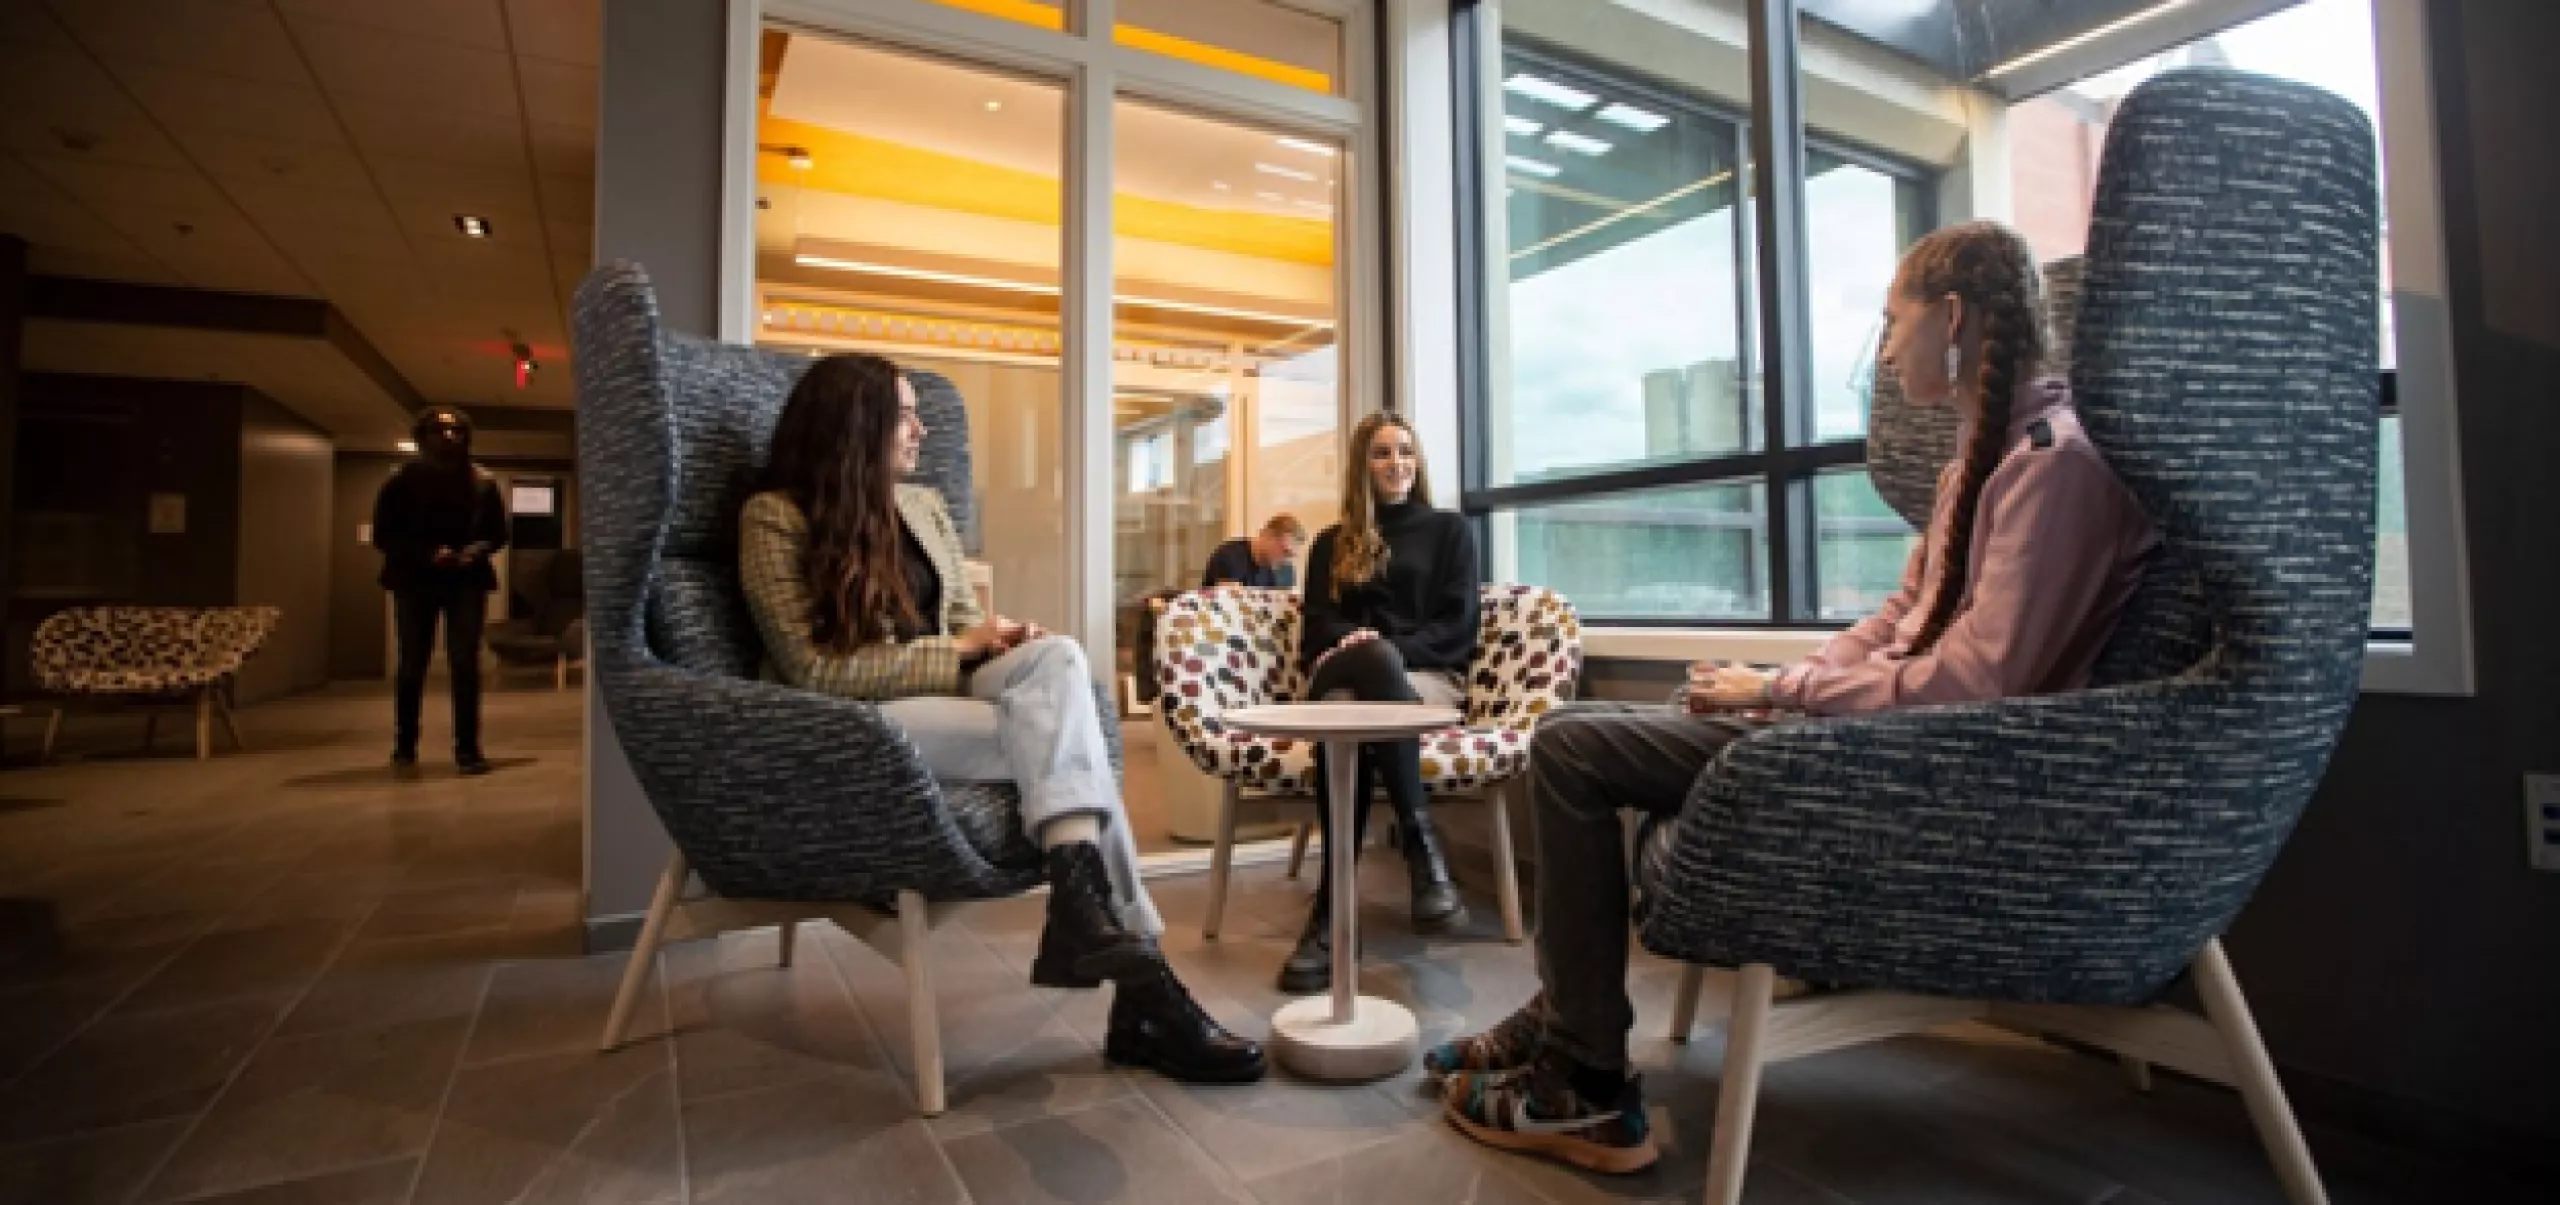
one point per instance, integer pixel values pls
(1217, 650)
(146, 650)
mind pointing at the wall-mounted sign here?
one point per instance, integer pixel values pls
(168, 514)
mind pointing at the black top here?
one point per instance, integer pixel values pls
(424, 508)
(1233, 562)
(1424, 600)
(923, 585)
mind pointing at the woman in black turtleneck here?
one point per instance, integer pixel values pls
(1391, 614)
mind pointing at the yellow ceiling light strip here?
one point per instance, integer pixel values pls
(1221, 58)
(1022, 11)
(784, 319)
(1137, 38)
(890, 171)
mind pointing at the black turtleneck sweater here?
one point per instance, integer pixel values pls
(1423, 600)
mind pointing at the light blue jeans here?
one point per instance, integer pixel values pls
(1030, 719)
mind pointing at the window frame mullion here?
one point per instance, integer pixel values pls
(1778, 188)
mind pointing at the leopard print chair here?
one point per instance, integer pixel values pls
(156, 656)
(1231, 647)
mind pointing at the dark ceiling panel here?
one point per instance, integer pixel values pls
(73, 299)
(80, 300)
(1964, 38)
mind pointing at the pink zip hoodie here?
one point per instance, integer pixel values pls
(2058, 547)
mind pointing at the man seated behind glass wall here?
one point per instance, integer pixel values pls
(1266, 559)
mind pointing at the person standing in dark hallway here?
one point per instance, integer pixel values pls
(437, 522)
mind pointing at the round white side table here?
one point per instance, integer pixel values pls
(1344, 1036)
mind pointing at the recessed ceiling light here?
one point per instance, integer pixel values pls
(800, 159)
(1220, 185)
(1273, 169)
(1580, 143)
(1521, 126)
(1539, 88)
(1301, 144)
(1642, 121)
(1534, 167)
(994, 106)
(471, 225)
(408, 445)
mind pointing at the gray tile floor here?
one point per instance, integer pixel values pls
(284, 976)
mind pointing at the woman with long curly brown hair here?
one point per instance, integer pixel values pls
(856, 585)
(1390, 614)
(2032, 553)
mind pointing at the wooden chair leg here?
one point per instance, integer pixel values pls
(1684, 1001)
(790, 929)
(2229, 1011)
(1506, 869)
(560, 672)
(2137, 1074)
(1298, 848)
(644, 955)
(52, 730)
(915, 929)
(1738, 1100)
(230, 718)
(204, 724)
(1221, 860)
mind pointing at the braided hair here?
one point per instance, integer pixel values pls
(1994, 271)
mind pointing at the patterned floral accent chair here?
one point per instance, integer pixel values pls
(157, 656)
(1218, 650)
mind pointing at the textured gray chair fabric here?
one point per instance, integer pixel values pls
(770, 792)
(2081, 848)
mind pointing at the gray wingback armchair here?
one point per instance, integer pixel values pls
(786, 803)
(553, 629)
(2055, 863)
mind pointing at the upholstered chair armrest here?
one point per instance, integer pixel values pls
(780, 793)
(1528, 656)
(1218, 650)
(2058, 848)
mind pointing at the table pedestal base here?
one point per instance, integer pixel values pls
(1380, 1040)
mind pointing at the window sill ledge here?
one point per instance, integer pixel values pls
(1701, 644)
(2395, 667)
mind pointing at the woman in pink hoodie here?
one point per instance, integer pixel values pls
(2033, 550)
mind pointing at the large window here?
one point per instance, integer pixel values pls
(2053, 153)
(1670, 429)
(1623, 449)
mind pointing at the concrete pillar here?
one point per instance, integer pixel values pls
(657, 204)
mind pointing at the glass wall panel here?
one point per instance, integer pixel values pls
(909, 206)
(1229, 390)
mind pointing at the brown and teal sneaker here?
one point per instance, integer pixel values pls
(1506, 1047)
(1542, 1112)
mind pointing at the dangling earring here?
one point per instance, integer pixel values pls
(1955, 367)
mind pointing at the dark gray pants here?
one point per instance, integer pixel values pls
(1587, 761)
(414, 612)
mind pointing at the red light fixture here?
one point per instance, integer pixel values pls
(525, 365)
